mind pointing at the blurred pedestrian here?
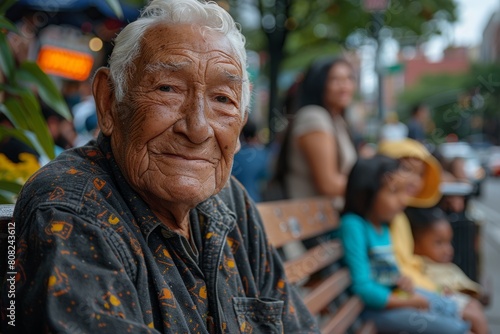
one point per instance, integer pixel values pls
(85, 116)
(61, 129)
(418, 122)
(251, 163)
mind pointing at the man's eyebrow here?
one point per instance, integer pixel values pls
(232, 76)
(169, 66)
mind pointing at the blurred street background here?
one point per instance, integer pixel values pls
(488, 210)
(443, 55)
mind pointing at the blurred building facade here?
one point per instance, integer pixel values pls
(490, 46)
(411, 68)
(455, 60)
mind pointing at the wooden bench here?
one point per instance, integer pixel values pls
(289, 221)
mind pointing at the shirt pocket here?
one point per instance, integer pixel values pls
(259, 315)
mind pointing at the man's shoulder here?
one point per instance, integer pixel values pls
(65, 180)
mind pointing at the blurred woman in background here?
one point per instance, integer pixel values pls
(318, 153)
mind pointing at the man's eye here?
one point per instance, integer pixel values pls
(166, 88)
(222, 99)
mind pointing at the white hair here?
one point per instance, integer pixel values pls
(207, 14)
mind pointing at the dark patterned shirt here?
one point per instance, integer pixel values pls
(93, 258)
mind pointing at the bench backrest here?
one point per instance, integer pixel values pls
(326, 298)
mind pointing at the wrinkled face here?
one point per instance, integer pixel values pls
(340, 87)
(391, 199)
(436, 242)
(180, 118)
(414, 170)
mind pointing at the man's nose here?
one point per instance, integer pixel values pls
(195, 125)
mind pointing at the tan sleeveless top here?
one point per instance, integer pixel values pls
(299, 180)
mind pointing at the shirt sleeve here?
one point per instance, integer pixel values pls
(311, 119)
(373, 294)
(71, 280)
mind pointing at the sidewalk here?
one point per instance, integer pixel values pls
(490, 264)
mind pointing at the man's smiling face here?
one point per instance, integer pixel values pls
(176, 131)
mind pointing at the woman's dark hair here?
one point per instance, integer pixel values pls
(364, 182)
(312, 89)
(422, 219)
(309, 91)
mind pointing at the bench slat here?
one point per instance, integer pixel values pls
(327, 290)
(287, 222)
(313, 261)
(344, 317)
(290, 220)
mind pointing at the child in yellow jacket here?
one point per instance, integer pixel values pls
(423, 174)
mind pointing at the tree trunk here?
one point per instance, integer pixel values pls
(276, 38)
(275, 114)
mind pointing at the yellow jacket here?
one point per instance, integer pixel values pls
(410, 264)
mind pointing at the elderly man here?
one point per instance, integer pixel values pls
(143, 231)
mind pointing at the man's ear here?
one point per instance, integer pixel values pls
(238, 143)
(104, 99)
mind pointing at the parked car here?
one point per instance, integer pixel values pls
(472, 167)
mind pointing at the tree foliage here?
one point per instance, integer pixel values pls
(310, 24)
(293, 32)
(461, 104)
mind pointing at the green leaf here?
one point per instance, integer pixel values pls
(12, 89)
(115, 7)
(6, 24)
(30, 72)
(14, 111)
(6, 4)
(7, 198)
(25, 114)
(10, 186)
(6, 57)
(28, 138)
(37, 123)
(16, 133)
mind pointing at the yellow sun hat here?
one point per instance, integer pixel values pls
(409, 148)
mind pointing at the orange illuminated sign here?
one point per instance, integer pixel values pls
(65, 63)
